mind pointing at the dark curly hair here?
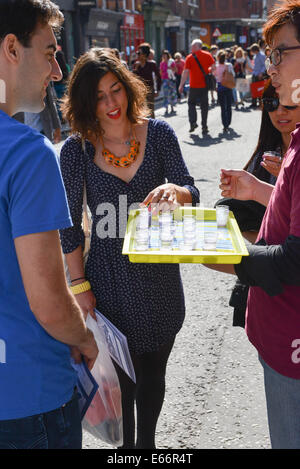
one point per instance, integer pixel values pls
(79, 105)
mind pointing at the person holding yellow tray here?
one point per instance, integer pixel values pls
(123, 158)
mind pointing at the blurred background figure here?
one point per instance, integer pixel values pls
(259, 68)
(148, 71)
(179, 63)
(167, 72)
(60, 86)
(239, 67)
(47, 121)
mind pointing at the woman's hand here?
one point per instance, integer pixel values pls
(87, 303)
(163, 198)
(237, 184)
(272, 164)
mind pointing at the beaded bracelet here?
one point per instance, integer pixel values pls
(81, 287)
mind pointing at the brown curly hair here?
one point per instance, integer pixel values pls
(79, 105)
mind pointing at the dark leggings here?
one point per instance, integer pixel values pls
(148, 392)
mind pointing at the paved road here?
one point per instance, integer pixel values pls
(214, 396)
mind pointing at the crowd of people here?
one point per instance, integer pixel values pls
(117, 148)
(171, 79)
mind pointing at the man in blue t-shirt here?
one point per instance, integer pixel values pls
(39, 318)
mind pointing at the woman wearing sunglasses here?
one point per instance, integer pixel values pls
(272, 269)
(277, 123)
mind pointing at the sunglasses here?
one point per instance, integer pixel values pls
(271, 104)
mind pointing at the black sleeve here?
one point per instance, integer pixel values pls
(271, 267)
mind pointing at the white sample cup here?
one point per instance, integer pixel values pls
(142, 239)
(272, 153)
(222, 213)
(189, 239)
(210, 240)
(143, 219)
(166, 234)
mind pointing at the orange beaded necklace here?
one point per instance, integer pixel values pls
(122, 161)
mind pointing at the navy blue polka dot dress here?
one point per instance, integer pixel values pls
(144, 301)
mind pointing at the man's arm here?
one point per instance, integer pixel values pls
(41, 264)
(184, 77)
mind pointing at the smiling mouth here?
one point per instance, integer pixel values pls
(115, 114)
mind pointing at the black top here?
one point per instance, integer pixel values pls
(145, 301)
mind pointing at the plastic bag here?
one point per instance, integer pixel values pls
(242, 85)
(103, 419)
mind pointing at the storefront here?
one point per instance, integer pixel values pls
(69, 36)
(103, 28)
(132, 33)
(175, 34)
(193, 31)
(155, 16)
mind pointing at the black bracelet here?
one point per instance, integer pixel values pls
(79, 278)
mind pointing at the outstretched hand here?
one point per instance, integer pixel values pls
(237, 184)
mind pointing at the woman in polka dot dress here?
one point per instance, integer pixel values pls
(126, 159)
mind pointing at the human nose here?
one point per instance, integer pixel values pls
(281, 110)
(110, 99)
(271, 70)
(56, 72)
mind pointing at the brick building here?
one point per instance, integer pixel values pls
(228, 22)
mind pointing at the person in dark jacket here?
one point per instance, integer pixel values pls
(47, 121)
(147, 70)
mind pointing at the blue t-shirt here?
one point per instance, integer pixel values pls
(35, 371)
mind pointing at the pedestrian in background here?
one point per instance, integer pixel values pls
(47, 121)
(167, 73)
(179, 62)
(40, 319)
(198, 93)
(213, 51)
(60, 86)
(224, 93)
(239, 68)
(147, 70)
(259, 68)
(125, 155)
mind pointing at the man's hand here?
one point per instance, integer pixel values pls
(237, 184)
(88, 350)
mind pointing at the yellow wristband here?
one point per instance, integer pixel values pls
(81, 287)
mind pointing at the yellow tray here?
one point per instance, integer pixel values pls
(199, 256)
